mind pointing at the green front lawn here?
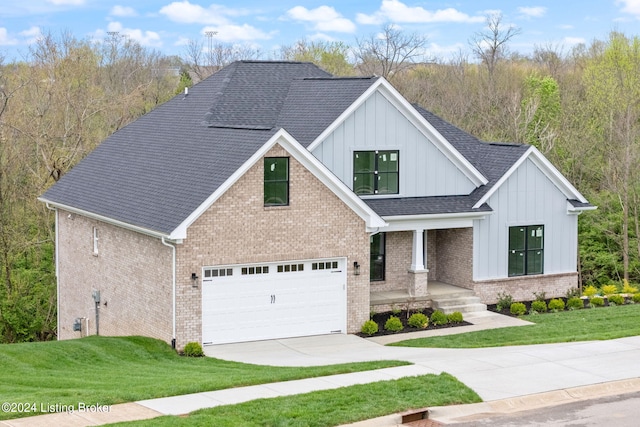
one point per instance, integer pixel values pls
(110, 370)
(330, 407)
(602, 323)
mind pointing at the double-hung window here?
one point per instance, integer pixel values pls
(526, 250)
(276, 181)
(375, 172)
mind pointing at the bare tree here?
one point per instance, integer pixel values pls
(389, 52)
(205, 60)
(490, 46)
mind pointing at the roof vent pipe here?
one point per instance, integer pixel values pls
(186, 91)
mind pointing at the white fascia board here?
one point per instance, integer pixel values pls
(302, 155)
(433, 222)
(107, 220)
(573, 210)
(555, 176)
(545, 166)
(397, 100)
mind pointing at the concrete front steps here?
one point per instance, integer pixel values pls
(449, 298)
(463, 304)
(441, 296)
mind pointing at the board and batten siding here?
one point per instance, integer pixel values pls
(378, 125)
(528, 197)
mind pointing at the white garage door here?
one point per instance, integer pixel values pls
(273, 300)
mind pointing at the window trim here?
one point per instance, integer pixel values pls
(276, 181)
(95, 241)
(525, 251)
(376, 172)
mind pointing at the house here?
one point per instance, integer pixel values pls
(273, 200)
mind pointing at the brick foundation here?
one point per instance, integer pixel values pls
(522, 288)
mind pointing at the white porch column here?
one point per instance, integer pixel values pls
(417, 253)
(418, 280)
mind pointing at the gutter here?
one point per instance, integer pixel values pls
(173, 292)
(56, 256)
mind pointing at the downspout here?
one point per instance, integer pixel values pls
(173, 300)
(56, 256)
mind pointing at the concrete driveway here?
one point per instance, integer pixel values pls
(494, 373)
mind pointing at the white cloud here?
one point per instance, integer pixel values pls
(630, 6)
(32, 34)
(123, 11)
(396, 11)
(66, 2)
(5, 39)
(235, 33)
(145, 38)
(533, 12)
(187, 13)
(323, 18)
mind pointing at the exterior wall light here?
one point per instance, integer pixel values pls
(356, 268)
(194, 280)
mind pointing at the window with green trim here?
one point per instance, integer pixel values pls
(526, 250)
(375, 172)
(276, 181)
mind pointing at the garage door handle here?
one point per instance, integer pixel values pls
(273, 299)
(336, 271)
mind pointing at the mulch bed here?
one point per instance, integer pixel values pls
(381, 318)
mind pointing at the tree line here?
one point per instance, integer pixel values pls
(580, 107)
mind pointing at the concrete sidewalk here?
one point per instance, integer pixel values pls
(504, 377)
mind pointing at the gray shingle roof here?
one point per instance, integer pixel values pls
(156, 171)
(424, 205)
(313, 104)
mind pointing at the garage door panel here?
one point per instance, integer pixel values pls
(291, 299)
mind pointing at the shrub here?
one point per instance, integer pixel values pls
(518, 308)
(539, 306)
(540, 296)
(556, 304)
(369, 327)
(610, 289)
(455, 317)
(418, 320)
(616, 299)
(636, 298)
(596, 301)
(572, 292)
(395, 310)
(439, 318)
(393, 324)
(589, 291)
(193, 349)
(575, 303)
(627, 288)
(504, 301)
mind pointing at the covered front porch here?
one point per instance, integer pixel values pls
(424, 267)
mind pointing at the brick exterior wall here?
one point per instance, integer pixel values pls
(398, 262)
(132, 271)
(239, 229)
(522, 288)
(454, 256)
(432, 253)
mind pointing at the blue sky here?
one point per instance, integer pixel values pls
(166, 25)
